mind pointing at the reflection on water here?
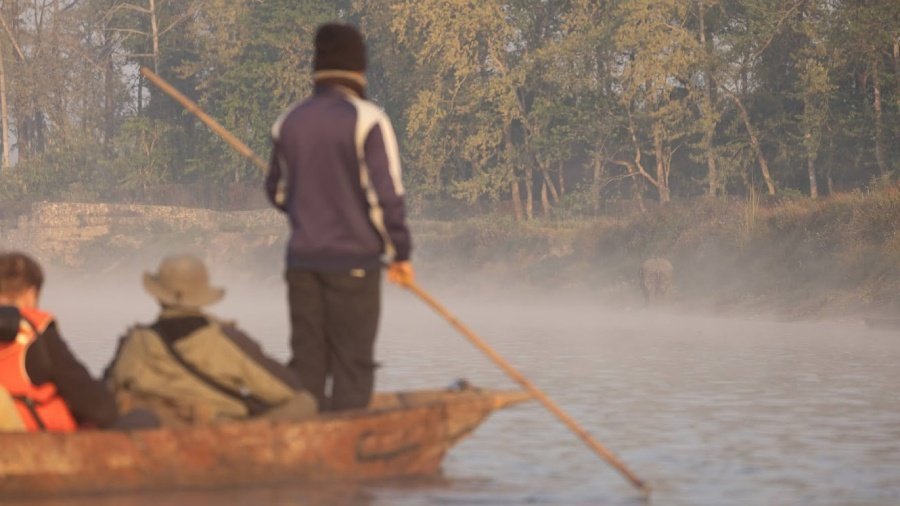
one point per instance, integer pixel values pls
(710, 411)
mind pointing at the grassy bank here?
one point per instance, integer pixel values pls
(798, 257)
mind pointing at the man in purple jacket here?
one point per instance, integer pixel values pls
(335, 171)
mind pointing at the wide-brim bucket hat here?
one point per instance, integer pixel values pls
(182, 280)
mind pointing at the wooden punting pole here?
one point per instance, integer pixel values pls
(479, 343)
(214, 125)
(538, 394)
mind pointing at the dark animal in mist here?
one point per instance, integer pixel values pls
(657, 278)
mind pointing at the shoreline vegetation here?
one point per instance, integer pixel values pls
(753, 143)
(795, 258)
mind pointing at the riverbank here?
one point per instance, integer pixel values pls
(798, 259)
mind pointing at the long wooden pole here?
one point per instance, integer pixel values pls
(479, 343)
(548, 403)
(214, 125)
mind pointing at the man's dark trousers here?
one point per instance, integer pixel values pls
(334, 320)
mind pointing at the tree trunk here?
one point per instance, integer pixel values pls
(897, 56)
(59, 116)
(711, 168)
(745, 80)
(748, 181)
(811, 140)
(879, 129)
(516, 199)
(829, 181)
(562, 179)
(897, 77)
(18, 56)
(545, 174)
(529, 193)
(140, 95)
(709, 131)
(11, 32)
(4, 116)
(637, 189)
(662, 179)
(754, 142)
(811, 171)
(154, 27)
(545, 202)
(595, 183)
(23, 106)
(109, 104)
(514, 184)
(637, 167)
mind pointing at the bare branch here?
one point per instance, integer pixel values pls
(80, 52)
(624, 163)
(190, 12)
(12, 39)
(128, 30)
(73, 4)
(610, 180)
(130, 7)
(777, 29)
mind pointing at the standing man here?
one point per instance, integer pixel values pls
(335, 172)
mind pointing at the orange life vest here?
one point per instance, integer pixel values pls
(40, 407)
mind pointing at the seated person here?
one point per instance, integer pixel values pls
(190, 367)
(49, 388)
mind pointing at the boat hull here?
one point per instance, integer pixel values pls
(401, 435)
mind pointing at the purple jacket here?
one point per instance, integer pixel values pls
(335, 171)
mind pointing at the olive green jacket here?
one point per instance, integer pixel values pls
(145, 368)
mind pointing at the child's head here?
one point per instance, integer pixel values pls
(21, 279)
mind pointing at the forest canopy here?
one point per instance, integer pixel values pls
(539, 107)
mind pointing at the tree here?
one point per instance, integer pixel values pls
(869, 32)
(658, 57)
(749, 71)
(473, 81)
(539, 106)
(710, 112)
(253, 60)
(814, 84)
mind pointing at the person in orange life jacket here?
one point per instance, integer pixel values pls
(50, 388)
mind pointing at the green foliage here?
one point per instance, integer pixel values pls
(73, 170)
(568, 107)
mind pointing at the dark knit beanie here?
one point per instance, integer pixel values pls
(339, 47)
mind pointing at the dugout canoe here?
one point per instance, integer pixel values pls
(401, 434)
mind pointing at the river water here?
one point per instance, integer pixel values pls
(709, 410)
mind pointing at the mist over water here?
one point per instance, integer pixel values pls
(709, 410)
